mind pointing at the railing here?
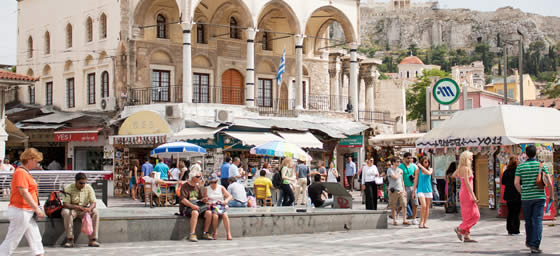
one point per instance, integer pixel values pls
(219, 94)
(49, 181)
(278, 107)
(376, 116)
(144, 96)
(327, 102)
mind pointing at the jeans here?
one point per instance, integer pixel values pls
(235, 203)
(533, 211)
(288, 195)
(328, 202)
(280, 197)
(435, 192)
(514, 209)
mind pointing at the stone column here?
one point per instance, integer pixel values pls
(370, 97)
(334, 75)
(299, 71)
(187, 63)
(361, 94)
(250, 77)
(343, 92)
(354, 79)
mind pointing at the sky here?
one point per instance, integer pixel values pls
(8, 17)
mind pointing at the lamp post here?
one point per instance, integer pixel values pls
(521, 66)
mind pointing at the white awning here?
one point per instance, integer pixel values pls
(302, 139)
(395, 139)
(254, 138)
(196, 133)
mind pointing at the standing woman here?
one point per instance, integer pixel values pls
(134, 178)
(423, 189)
(469, 203)
(332, 175)
(287, 179)
(512, 197)
(369, 173)
(184, 171)
(24, 203)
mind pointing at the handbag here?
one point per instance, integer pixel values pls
(540, 179)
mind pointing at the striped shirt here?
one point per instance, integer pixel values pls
(528, 172)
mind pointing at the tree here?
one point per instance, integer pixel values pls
(416, 95)
(413, 49)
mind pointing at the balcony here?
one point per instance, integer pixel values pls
(219, 94)
(326, 102)
(376, 117)
(276, 107)
(149, 95)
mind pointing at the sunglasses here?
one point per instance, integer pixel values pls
(82, 183)
(198, 177)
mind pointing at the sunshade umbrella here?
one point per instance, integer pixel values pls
(281, 149)
(178, 150)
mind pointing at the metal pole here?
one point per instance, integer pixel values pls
(428, 108)
(505, 75)
(521, 71)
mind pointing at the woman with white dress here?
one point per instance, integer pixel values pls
(332, 174)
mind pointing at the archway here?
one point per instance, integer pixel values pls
(276, 20)
(320, 25)
(232, 88)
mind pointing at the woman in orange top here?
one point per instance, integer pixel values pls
(24, 205)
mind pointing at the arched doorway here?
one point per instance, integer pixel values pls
(232, 87)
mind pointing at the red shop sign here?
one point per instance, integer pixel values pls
(64, 137)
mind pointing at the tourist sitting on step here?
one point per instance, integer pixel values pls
(317, 191)
(193, 205)
(79, 200)
(218, 199)
(237, 191)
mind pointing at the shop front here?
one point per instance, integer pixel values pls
(85, 147)
(351, 146)
(139, 133)
(41, 137)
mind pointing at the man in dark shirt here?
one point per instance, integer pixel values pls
(315, 191)
(193, 205)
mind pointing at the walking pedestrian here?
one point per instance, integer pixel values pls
(369, 173)
(409, 173)
(532, 197)
(468, 200)
(397, 195)
(350, 172)
(133, 177)
(24, 204)
(288, 178)
(512, 197)
(302, 178)
(423, 189)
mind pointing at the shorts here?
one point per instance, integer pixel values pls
(132, 181)
(396, 198)
(202, 208)
(425, 195)
(409, 199)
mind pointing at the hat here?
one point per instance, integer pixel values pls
(213, 177)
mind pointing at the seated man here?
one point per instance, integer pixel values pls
(193, 205)
(316, 190)
(79, 200)
(263, 180)
(237, 191)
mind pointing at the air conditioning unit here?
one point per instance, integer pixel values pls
(108, 104)
(223, 116)
(173, 111)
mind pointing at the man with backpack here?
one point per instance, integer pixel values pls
(79, 201)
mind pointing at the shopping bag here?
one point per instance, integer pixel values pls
(87, 225)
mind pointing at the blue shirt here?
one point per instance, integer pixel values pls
(302, 171)
(147, 168)
(162, 168)
(424, 183)
(350, 169)
(224, 170)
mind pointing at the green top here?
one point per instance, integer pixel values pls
(83, 197)
(528, 172)
(286, 172)
(408, 171)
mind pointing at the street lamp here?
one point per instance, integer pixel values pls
(522, 37)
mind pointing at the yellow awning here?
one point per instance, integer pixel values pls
(144, 123)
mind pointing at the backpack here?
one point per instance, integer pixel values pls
(53, 205)
(277, 179)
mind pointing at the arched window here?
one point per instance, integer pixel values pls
(233, 29)
(89, 29)
(200, 33)
(103, 26)
(69, 36)
(30, 47)
(47, 42)
(104, 84)
(161, 26)
(407, 74)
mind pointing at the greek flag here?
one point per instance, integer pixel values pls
(281, 68)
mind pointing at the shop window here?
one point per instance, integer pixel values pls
(88, 159)
(160, 85)
(201, 33)
(161, 26)
(264, 93)
(233, 28)
(31, 91)
(48, 93)
(266, 42)
(201, 88)
(70, 93)
(104, 84)
(91, 88)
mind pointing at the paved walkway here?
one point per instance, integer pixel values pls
(399, 240)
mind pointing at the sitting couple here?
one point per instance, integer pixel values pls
(210, 203)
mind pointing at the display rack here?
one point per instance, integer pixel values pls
(122, 165)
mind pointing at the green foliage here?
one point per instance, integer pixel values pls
(552, 91)
(13, 69)
(382, 76)
(548, 76)
(416, 94)
(413, 49)
(388, 65)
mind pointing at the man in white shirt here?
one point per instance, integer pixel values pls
(238, 193)
(234, 169)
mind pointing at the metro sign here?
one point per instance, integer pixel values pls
(446, 91)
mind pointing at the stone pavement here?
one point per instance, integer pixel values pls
(439, 239)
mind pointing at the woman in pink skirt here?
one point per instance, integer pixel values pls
(469, 203)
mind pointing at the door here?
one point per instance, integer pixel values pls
(232, 88)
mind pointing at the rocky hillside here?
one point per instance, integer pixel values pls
(457, 28)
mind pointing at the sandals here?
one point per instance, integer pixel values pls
(406, 223)
(394, 223)
(469, 240)
(459, 234)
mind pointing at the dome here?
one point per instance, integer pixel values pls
(412, 60)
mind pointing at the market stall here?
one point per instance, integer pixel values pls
(492, 134)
